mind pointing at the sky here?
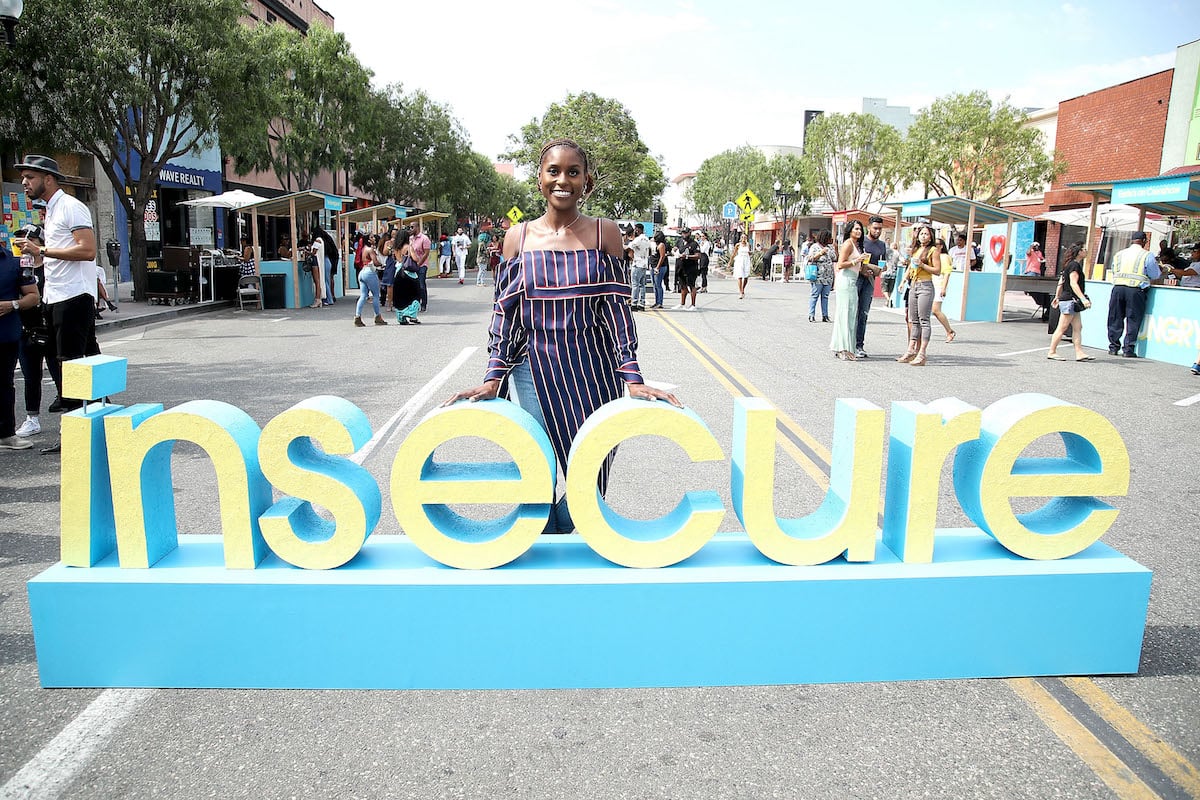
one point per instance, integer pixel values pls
(700, 77)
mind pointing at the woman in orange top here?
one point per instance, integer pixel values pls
(924, 265)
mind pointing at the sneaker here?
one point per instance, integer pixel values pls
(460, 283)
(14, 443)
(1131, 354)
(1112, 351)
(56, 406)
(680, 307)
(30, 427)
(691, 308)
(358, 323)
(1196, 368)
(860, 353)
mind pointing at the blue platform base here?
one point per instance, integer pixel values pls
(560, 616)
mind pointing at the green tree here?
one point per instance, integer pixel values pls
(133, 83)
(725, 176)
(855, 159)
(964, 145)
(316, 96)
(627, 178)
(412, 150)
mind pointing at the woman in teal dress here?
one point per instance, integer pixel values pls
(845, 297)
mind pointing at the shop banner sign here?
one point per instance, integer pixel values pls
(921, 208)
(1160, 190)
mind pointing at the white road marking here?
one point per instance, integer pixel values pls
(280, 319)
(414, 404)
(1023, 352)
(1187, 401)
(48, 773)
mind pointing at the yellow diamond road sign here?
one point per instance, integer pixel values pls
(515, 215)
(748, 201)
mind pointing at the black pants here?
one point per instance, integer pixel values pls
(703, 271)
(8, 389)
(72, 334)
(31, 356)
(1126, 307)
(866, 292)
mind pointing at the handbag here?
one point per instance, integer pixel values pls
(1083, 303)
(812, 272)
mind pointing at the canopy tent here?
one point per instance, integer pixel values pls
(288, 206)
(1117, 218)
(234, 198)
(1176, 194)
(857, 214)
(422, 218)
(961, 211)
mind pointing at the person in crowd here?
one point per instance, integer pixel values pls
(332, 258)
(875, 247)
(284, 251)
(640, 247)
(939, 290)
(368, 283)
(103, 303)
(706, 249)
(660, 265)
(687, 267)
(1035, 262)
(387, 271)
(445, 254)
(789, 256)
(741, 266)
(461, 244)
(961, 256)
(573, 348)
(1133, 270)
(421, 247)
(822, 255)
(1188, 272)
(767, 258)
(807, 245)
(924, 265)
(32, 349)
(1071, 300)
(69, 263)
(851, 258)
(316, 252)
(406, 290)
(18, 293)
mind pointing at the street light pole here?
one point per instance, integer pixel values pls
(10, 12)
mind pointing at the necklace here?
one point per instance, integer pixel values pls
(559, 231)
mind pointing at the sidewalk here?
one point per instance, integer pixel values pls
(130, 313)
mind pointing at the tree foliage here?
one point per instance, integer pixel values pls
(133, 83)
(724, 177)
(964, 145)
(855, 159)
(627, 178)
(316, 95)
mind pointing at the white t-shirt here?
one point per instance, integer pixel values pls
(1191, 281)
(67, 279)
(640, 246)
(461, 243)
(318, 249)
(959, 256)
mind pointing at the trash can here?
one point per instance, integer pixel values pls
(274, 291)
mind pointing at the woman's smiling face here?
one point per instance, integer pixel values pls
(562, 177)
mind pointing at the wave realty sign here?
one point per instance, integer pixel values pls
(285, 597)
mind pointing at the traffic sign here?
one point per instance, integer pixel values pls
(748, 201)
(748, 216)
(729, 211)
(515, 214)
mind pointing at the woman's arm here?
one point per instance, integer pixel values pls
(844, 253)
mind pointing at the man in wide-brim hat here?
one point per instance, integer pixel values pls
(69, 254)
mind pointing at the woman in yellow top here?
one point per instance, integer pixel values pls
(924, 264)
(939, 287)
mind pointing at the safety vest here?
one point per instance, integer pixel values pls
(1129, 267)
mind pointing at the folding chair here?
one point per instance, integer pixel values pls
(250, 291)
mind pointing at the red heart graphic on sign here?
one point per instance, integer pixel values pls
(996, 249)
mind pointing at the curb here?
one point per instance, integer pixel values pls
(162, 316)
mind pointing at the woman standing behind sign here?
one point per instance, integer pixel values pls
(561, 329)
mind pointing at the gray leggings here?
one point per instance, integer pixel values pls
(920, 305)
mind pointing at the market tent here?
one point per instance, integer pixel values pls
(422, 218)
(288, 206)
(234, 198)
(1117, 218)
(358, 216)
(961, 211)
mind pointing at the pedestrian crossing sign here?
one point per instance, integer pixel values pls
(748, 201)
(515, 214)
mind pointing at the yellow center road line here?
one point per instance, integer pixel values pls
(703, 355)
(1108, 768)
(1161, 754)
(1117, 775)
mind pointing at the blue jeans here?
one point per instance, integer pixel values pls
(660, 277)
(820, 290)
(639, 286)
(866, 291)
(328, 285)
(368, 284)
(522, 380)
(421, 271)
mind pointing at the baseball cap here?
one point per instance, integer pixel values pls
(1139, 236)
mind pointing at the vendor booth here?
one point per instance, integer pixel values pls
(297, 289)
(976, 295)
(374, 219)
(1171, 328)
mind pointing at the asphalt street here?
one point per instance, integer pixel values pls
(1131, 736)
